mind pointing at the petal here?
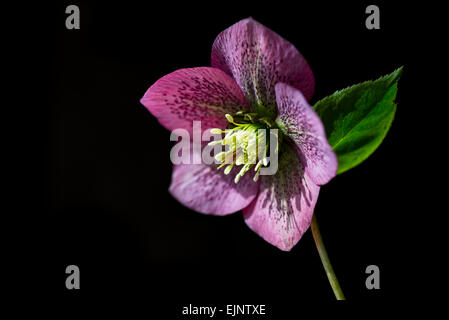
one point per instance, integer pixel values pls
(258, 58)
(205, 189)
(195, 94)
(283, 210)
(305, 128)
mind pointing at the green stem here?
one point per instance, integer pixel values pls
(325, 260)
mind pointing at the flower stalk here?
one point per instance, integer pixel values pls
(325, 260)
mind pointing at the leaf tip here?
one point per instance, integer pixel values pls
(396, 74)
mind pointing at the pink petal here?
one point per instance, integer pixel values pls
(205, 189)
(305, 128)
(258, 58)
(195, 94)
(283, 210)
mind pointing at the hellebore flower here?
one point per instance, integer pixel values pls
(257, 80)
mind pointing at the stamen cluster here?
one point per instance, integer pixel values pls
(246, 144)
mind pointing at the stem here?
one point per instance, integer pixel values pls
(325, 260)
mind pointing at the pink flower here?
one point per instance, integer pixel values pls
(263, 80)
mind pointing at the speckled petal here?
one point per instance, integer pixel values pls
(195, 94)
(305, 128)
(258, 58)
(283, 210)
(205, 189)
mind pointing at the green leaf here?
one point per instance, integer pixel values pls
(358, 118)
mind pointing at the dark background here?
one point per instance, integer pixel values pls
(96, 164)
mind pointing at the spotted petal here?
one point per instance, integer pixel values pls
(258, 58)
(195, 94)
(305, 128)
(205, 189)
(283, 210)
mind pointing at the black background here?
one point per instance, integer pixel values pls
(96, 164)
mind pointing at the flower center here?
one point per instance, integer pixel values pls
(246, 141)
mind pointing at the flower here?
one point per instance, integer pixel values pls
(257, 80)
